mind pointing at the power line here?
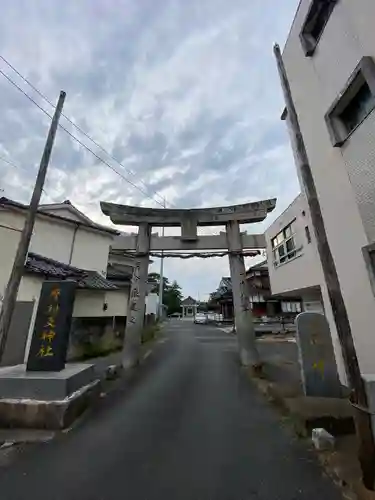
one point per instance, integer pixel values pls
(73, 123)
(12, 164)
(73, 136)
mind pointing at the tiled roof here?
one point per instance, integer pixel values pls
(261, 266)
(116, 273)
(226, 282)
(96, 281)
(54, 269)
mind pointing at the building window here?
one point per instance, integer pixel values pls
(291, 307)
(313, 27)
(354, 103)
(256, 298)
(284, 245)
(308, 235)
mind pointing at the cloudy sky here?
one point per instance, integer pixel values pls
(185, 94)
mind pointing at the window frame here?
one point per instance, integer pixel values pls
(363, 73)
(276, 244)
(308, 41)
(291, 307)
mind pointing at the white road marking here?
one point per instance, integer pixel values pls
(147, 355)
(222, 339)
(275, 339)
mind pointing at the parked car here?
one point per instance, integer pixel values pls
(201, 319)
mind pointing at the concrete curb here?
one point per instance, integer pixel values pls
(48, 415)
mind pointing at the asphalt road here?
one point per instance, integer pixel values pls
(188, 426)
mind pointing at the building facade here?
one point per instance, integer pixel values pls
(189, 308)
(65, 245)
(330, 62)
(293, 260)
(262, 303)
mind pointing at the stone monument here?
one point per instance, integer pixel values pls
(47, 393)
(316, 356)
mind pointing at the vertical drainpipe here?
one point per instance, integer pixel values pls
(73, 241)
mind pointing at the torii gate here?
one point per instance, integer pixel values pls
(232, 240)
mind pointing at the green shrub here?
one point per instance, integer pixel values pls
(149, 333)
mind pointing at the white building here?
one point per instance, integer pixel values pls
(293, 261)
(330, 62)
(65, 243)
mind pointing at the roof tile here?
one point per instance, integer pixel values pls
(91, 280)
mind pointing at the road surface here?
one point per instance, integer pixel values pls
(190, 426)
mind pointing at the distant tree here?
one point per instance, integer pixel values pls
(154, 278)
(172, 298)
(172, 295)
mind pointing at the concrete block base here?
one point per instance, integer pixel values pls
(50, 415)
(17, 383)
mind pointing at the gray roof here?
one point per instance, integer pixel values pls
(6, 202)
(226, 283)
(261, 266)
(54, 269)
(189, 301)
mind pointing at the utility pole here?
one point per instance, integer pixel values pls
(11, 291)
(161, 282)
(356, 383)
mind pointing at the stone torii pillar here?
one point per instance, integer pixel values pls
(137, 299)
(243, 316)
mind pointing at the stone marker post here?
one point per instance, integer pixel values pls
(137, 299)
(50, 338)
(243, 316)
(316, 356)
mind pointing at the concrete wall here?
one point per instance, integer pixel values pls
(89, 303)
(57, 240)
(30, 288)
(344, 176)
(9, 238)
(152, 303)
(91, 251)
(117, 301)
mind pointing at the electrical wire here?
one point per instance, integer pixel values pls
(72, 122)
(12, 82)
(12, 164)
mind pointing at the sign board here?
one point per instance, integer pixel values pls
(50, 338)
